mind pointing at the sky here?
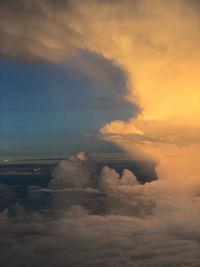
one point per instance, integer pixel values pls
(51, 109)
(102, 74)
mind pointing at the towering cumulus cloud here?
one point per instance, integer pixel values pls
(74, 172)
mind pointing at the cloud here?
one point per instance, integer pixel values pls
(77, 182)
(156, 224)
(153, 131)
(156, 45)
(143, 225)
(109, 179)
(79, 239)
(73, 172)
(107, 192)
(124, 194)
(174, 147)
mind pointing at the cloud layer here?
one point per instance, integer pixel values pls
(142, 225)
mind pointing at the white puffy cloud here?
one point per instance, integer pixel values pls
(124, 194)
(108, 192)
(73, 172)
(109, 179)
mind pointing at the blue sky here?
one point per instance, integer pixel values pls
(52, 109)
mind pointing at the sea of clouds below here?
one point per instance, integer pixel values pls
(139, 225)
